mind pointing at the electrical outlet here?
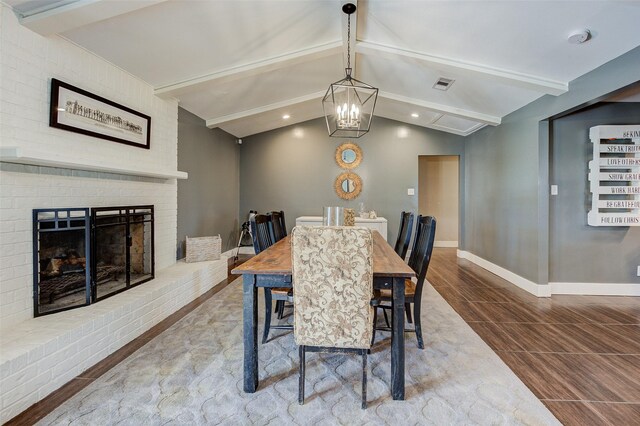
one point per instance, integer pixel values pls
(411, 191)
(554, 189)
(638, 272)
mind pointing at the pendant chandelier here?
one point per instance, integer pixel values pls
(348, 104)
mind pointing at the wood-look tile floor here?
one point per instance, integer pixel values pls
(579, 354)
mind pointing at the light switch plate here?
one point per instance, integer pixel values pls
(638, 270)
(554, 189)
(411, 191)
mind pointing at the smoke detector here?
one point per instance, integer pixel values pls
(579, 37)
(443, 83)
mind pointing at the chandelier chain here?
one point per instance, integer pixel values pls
(348, 41)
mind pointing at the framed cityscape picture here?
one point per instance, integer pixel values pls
(83, 112)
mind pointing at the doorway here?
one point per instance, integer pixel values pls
(439, 195)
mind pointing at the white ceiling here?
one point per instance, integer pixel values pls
(242, 64)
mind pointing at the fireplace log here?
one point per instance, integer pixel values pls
(62, 285)
(58, 266)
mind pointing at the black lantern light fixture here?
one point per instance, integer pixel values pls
(349, 103)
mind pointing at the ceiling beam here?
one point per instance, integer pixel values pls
(452, 130)
(445, 109)
(63, 16)
(215, 122)
(249, 70)
(467, 132)
(511, 78)
(432, 106)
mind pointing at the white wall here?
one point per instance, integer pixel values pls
(27, 64)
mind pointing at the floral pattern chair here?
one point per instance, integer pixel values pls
(332, 270)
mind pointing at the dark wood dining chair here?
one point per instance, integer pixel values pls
(262, 234)
(404, 234)
(401, 247)
(278, 232)
(419, 262)
(333, 305)
(278, 225)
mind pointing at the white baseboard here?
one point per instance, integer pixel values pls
(247, 250)
(243, 250)
(445, 244)
(540, 290)
(596, 289)
(546, 290)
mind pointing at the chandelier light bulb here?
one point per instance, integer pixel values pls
(348, 118)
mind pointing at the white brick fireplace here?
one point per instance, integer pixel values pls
(94, 173)
(29, 61)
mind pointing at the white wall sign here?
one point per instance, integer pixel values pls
(614, 176)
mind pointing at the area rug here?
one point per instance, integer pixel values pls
(191, 374)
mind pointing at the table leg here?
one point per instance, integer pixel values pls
(250, 332)
(397, 340)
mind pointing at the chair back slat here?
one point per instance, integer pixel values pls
(404, 234)
(261, 232)
(422, 249)
(332, 271)
(278, 225)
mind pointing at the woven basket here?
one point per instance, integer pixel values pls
(200, 249)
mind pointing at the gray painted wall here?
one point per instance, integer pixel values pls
(506, 201)
(208, 201)
(502, 188)
(582, 253)
(293, 169)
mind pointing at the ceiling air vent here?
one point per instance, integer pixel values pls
(443, 83)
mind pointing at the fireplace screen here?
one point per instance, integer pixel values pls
(81, 258)
(60, 259)
(122, 248)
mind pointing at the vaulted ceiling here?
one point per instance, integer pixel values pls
(242, 65)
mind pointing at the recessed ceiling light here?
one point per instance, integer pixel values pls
(415, 115)
(286, 117)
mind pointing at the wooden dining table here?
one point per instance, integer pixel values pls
(272, 268)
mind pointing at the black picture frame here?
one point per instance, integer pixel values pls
(80, 111)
